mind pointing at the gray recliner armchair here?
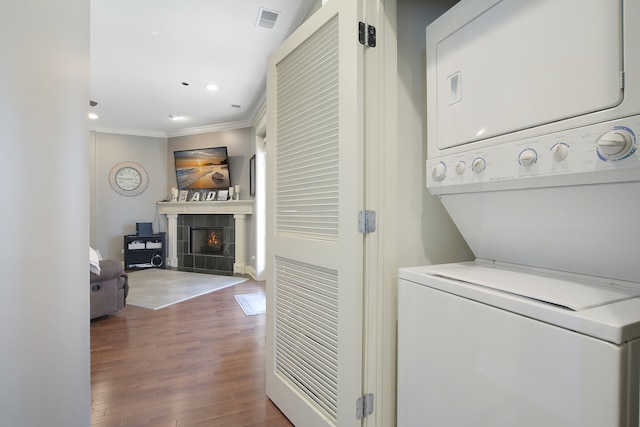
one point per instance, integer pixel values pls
(108, 289)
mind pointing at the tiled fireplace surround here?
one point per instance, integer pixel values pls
(211, 263)
(230, 215)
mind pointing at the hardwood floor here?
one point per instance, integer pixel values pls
(197, 363)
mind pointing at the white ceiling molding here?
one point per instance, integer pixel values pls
(132, 132)
(209, 128)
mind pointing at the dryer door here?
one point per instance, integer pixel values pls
(517, 64)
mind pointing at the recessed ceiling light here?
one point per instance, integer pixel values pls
(212, 88)
(93, 116)
(172, 117)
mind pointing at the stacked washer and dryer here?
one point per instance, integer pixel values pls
(533, 122)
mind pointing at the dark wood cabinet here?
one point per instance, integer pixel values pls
(145, 251)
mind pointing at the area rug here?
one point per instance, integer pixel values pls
(156, 288)
(252, 303)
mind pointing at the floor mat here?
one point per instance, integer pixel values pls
(156, 288)
(252, 303)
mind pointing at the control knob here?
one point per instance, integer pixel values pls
(560, 151)
(528, 157)
(439, 171)
(460, 167)
(478, 164)
(615, 144)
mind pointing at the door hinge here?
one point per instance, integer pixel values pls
(366, 34)
(364, 406)
(366, 222)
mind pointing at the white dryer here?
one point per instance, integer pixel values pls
(533, 122)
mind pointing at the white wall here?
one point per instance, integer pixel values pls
(426, 234)
(44, 295)
(114, 215)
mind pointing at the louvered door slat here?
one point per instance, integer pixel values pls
(307, 140)
(307, 329)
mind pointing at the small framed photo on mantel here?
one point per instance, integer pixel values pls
(223, 195)
(183, 195)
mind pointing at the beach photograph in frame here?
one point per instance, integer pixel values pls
(202, 169)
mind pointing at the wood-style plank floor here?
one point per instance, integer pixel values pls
(197, 363)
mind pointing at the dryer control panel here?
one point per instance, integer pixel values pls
(600, 153)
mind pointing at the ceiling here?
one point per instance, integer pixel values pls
(151, 61)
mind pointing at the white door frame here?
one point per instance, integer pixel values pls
(381, 195)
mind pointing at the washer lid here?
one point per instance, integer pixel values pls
(562, 293)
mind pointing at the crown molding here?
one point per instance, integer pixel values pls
(256, 114)
(133, 132)
(260, 112)
(209, 128)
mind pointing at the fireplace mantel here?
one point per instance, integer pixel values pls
(238, 208)
(228, 207)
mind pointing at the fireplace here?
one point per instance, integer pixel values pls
(230, 215)
(206, 241)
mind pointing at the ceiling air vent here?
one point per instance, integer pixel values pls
(267, 18)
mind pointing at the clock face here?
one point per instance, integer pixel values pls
(128, 178)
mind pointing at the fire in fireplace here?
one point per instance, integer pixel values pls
(207, 240)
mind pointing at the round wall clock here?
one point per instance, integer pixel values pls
(128, 178)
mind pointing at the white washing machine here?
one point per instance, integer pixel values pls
(533, 122)
(517, 349)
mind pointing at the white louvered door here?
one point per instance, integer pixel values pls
(314, 250)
